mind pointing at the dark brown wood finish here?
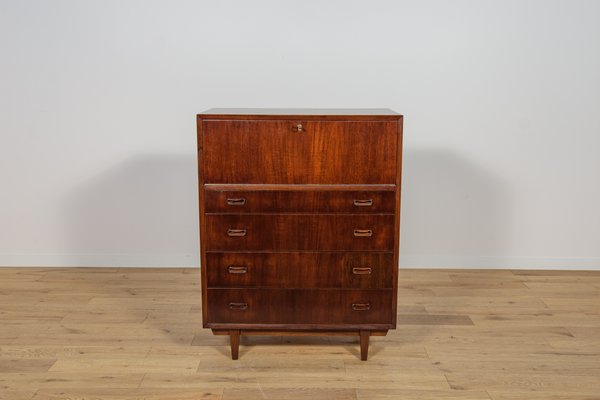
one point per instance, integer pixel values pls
(300, 152)
(309, 201)
(365, 270)
(202, 226)
(290, 331)
(397, 219)
(234, 338)
(289, 232)
(301, 187)
(301, 306)
(299, 221)
(364, 344)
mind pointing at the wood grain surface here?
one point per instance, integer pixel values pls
(291, 232)
(322, 152)
(366, 270)
(309, 201)
(299, 306)
(322, 181)
(113, 333)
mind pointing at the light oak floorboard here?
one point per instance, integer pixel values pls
(119, 333)
(127, 394)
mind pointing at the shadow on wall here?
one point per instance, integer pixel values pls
(454, 212)
(144, 212)
(141, 212)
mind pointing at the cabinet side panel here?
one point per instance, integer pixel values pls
(397, 221)
(202, 224)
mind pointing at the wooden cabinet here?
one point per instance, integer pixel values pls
(299, 221)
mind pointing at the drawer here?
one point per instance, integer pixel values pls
(307, 306)
(321, 152)
(284, 232)
(281, 201)
(301, 270)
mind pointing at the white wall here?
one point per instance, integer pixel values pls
(501, 102)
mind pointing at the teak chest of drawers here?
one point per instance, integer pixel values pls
(299, 221)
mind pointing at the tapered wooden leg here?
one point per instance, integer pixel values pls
(364, 344)
(234, 340)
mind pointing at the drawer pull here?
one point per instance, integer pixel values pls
(363, 203)
(361, 306)
(234, 269)
(299, 128)
(236, 232)
(238, 306)
(361, 270)
(236, 202)
(363, 233)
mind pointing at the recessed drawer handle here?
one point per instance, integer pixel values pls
(236, 232)
(234, 269)
(363, 203)
(361, 270)
(236, 202)
(361, 306)
(363, 233)
(238, 306)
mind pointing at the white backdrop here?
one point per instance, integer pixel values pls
(501, 102)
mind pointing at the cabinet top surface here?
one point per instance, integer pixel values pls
(300, 112)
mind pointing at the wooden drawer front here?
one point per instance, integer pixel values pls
(299, 232)
(299, 201)
(323, 152)
(300, 270)
(309, 306)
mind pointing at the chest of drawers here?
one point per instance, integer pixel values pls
(299, 221)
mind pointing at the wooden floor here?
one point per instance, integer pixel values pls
(136, 334)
